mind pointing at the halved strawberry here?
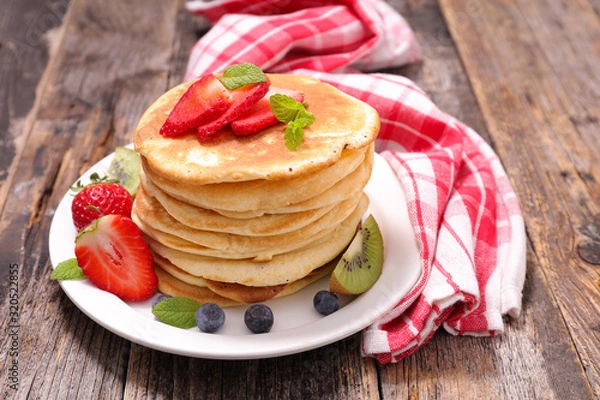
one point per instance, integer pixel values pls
(240, 100)
(114, 256)
(260, 116)
(204, 100)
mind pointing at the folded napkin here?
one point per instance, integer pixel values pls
(464, 212)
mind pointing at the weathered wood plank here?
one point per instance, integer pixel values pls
(534, 67)
(154, 374)
(23, 58)
(333, 372)
(189, 30)
(336, 371)
(109, 63)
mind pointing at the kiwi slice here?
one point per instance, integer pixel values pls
(125, 166)
(360, 265)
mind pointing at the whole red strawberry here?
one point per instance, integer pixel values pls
(112, 253)
(99, 199)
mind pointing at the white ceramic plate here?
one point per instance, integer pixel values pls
(298, 327)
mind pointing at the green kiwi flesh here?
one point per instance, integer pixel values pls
(361, 264)
(125, 167)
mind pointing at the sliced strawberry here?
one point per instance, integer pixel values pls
(260, 116)
(240, 101)
(114, 256)
(204, 100)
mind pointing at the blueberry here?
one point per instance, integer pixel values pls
(210, 317)
(326, 302)
(259, 318)
(160, 298)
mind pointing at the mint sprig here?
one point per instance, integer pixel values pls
(238, 75)
(67, 270)
(293, 135)
(177, 311)
(291, 112)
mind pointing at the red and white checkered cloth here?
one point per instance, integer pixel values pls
(464, 211)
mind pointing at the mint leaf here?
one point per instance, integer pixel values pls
(177, 311)
(284, 107)
(304, 118)
(292, 112)
(67, 270)
(293, 135)
(238, 75)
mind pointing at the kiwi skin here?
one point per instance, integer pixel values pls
(125, 167)
(361, 264)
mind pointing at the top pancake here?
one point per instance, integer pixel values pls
(342, 122)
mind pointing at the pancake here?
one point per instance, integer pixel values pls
(348, 186)
(168, 284)
(252, 294)
(237, 220)
(342, 123)
(156, 222)
(179, 283)
(283, 268)
(209, 220)
(265, 194)
(178, 273)
(259, 251)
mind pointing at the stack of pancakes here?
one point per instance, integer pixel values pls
(243, 219)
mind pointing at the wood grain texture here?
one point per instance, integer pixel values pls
(23, 59)
(540, 96)
(523, 74)
(104, 73)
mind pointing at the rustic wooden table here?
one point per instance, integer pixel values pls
(75, 77)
